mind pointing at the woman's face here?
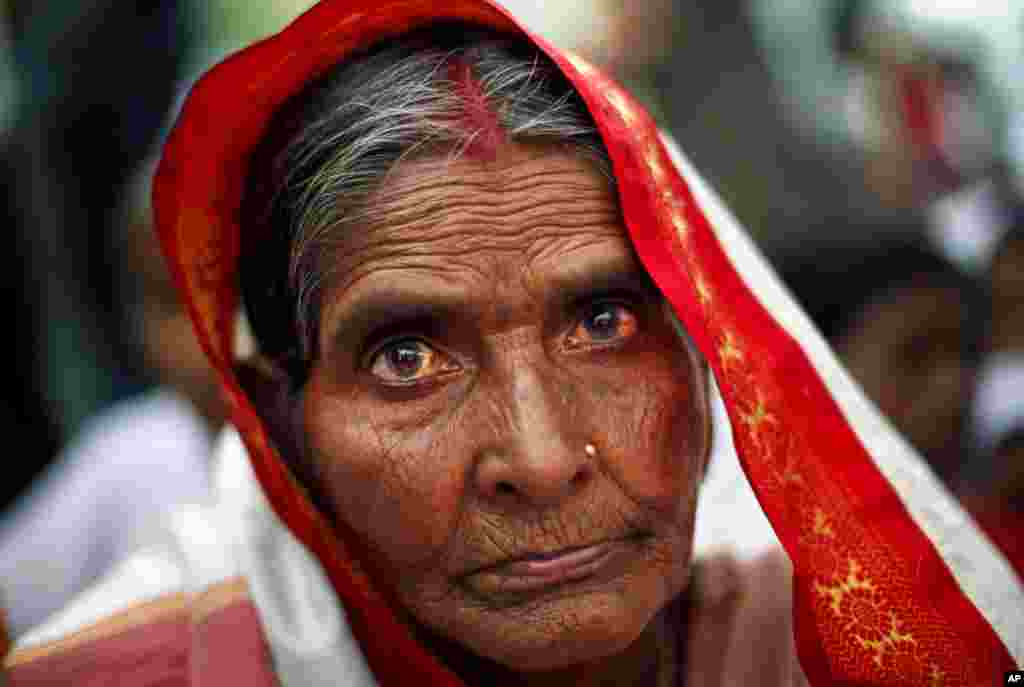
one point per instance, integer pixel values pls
(502, 409)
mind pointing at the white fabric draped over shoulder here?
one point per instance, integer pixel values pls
(235, 535)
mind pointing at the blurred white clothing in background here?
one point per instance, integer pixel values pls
(128, 467)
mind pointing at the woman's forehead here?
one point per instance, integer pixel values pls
(532, 219)
(524, 208)
(515, 173)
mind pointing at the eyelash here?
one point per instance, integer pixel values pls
(368, 360)
(593, 307)
(582, 309)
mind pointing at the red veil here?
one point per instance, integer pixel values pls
(893, 585)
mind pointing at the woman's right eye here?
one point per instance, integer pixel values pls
(408, 361)
(604, 323)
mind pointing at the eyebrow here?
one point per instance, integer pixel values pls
(402, 304)
(391, 307)
(616, 274)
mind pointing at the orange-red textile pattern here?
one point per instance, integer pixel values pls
(874, 602)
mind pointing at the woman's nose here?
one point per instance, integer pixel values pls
(538, 460)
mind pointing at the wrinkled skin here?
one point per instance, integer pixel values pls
(468, 352)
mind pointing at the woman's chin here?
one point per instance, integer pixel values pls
(585, 647)
(576, 619)
(556, 634)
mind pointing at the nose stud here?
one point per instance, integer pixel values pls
(590, 450)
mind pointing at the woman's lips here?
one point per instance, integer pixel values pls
(554, 565)
(540, 571)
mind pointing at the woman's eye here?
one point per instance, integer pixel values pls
(408, 360)
(604, 323)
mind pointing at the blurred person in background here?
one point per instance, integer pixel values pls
(119, 370)
(129, 464)
(30, 419)
(992, 481)
(931, 94)
(70, 135)
(892, 310)
(74, 136)
(80, 134)
(698, 68)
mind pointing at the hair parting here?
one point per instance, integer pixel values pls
(449, 91)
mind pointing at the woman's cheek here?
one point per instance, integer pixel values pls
(656, 444)
(394, 488)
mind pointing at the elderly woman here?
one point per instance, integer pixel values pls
(494, 322)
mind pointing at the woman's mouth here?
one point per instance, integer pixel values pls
(540, 571)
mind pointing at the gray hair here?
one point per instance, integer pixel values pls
(359, 122)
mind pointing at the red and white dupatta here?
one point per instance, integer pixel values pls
(893, 583)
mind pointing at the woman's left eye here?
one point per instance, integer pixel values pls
(407, 361)
(604, 323)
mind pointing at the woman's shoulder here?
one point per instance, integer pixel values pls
(166, 640)
(740, 622)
